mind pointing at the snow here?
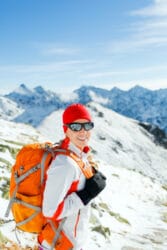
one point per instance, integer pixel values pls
(22, 89)
(68, 96)
(98, 99)
(118, 140)
(9, 109)
(21, 133)
(130, 210)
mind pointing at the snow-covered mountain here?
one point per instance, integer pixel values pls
(34, 105)
(138, 103)
(131, 213)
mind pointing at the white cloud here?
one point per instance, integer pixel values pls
(137, 70)
(59, 51)
(48, 67)
(148, 30)
(138, 41)
(157, 8)
(53, 49)
(103, 74)
(151, 83)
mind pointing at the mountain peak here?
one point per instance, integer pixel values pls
(23, 90)
(116, 90)
(39, 89)
(138, 88)
(23, 86)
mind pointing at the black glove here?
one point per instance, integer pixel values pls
(93, 187)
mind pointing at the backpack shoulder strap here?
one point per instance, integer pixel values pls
(86, 170)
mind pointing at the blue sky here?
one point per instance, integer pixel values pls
(62, 45)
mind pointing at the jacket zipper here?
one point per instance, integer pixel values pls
(76, 224)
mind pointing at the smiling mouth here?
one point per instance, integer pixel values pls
(82, 138)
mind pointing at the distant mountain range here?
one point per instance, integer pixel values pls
(32, 106)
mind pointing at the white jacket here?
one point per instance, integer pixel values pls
(61, 174)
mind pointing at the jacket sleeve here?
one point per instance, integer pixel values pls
(62, 173)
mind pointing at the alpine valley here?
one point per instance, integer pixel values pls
(130, 145)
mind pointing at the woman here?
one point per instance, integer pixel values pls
(69, 189)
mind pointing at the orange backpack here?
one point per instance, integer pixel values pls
(28, 182)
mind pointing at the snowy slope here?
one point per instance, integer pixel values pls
(131, 213)
(118, 140)
(9, 109)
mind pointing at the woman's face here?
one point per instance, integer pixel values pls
(79, 138)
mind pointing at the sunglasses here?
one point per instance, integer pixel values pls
(76, 126)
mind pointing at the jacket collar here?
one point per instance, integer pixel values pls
(78, 151)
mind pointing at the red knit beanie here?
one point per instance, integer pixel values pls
(74, 112)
